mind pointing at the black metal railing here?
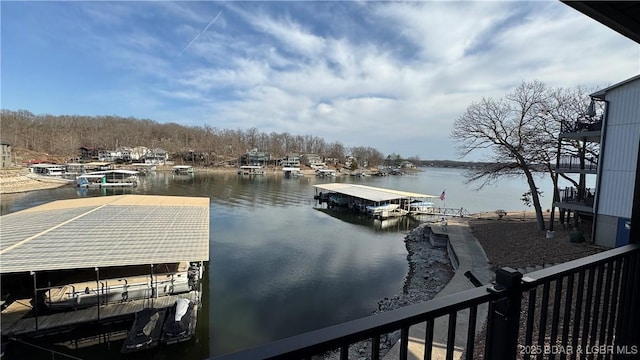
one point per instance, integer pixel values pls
(573, 195)
(576, 163)
(570, 310)
(583, 123)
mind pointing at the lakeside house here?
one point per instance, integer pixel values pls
(255, 158)
(313, 161)
(291, 160)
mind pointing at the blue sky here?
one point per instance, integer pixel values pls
(390, 75)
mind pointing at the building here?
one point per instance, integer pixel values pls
(290, 160)
(614, 134)
(138, 153)
(619, 162)
(5, 154)
(88, 153)
(255, 157)
(156, 156)
(313, 161)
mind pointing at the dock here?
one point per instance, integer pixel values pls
(63, 321)
(100, 236)
(382, 203)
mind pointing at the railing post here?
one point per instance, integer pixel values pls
(504, 316)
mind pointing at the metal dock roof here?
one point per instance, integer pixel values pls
(369, 192)
(105, 231)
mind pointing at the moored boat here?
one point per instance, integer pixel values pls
(146, 330)
(108, 178)
(115, 290)
(289, 172)
(183, 170)
(326, 173)
(251, 170)
(376, 209)
(421, 206)
(180, 324)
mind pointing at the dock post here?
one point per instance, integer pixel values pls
(98, 289)
(35, 296)
(152, 291)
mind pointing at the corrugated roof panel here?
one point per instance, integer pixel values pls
(120, 231)
(17, 227)
(369, 192)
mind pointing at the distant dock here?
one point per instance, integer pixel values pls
(382, 203)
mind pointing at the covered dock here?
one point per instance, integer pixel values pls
(96, 236)
(379, 202)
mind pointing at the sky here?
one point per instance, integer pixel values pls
(393, 76)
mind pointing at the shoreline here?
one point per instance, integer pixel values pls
(430, 271)
(507, 240)
(20, 180)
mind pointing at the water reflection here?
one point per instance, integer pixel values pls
(280, 264)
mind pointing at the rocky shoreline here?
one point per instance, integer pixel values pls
(429, 272)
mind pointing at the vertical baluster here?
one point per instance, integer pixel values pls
(375, 347)
(605, 307)
(614, 300)
(428, 340)
(451, 335)
(528, 337)
(543, 319)
(404, 343)
(489, 332)
(557, 303)
(471, 332)
(344, 352)
(587, 309)
(567, 315)
(578, 313)
(596, 305)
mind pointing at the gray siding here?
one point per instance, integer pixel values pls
(620, 154)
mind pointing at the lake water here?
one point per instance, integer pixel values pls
(280, 264)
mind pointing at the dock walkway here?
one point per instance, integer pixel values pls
(471, 257)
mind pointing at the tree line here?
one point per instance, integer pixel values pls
(63, 135)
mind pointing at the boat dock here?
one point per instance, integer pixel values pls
(382, 203)
(92, 239)
(63, 321)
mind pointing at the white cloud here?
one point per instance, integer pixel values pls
(391, 75)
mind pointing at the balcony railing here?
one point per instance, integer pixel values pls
(585, 123)
(571, 195)
(575, 163)
(586, 306)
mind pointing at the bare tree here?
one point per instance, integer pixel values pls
(506, 130)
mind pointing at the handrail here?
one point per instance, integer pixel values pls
(371, 328)
(571, 267)
(336, 336)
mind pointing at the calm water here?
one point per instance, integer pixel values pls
(281, 265)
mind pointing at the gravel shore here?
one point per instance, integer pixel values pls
(515, 241)
(511, 240)
(17, 181)
(429, 272)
